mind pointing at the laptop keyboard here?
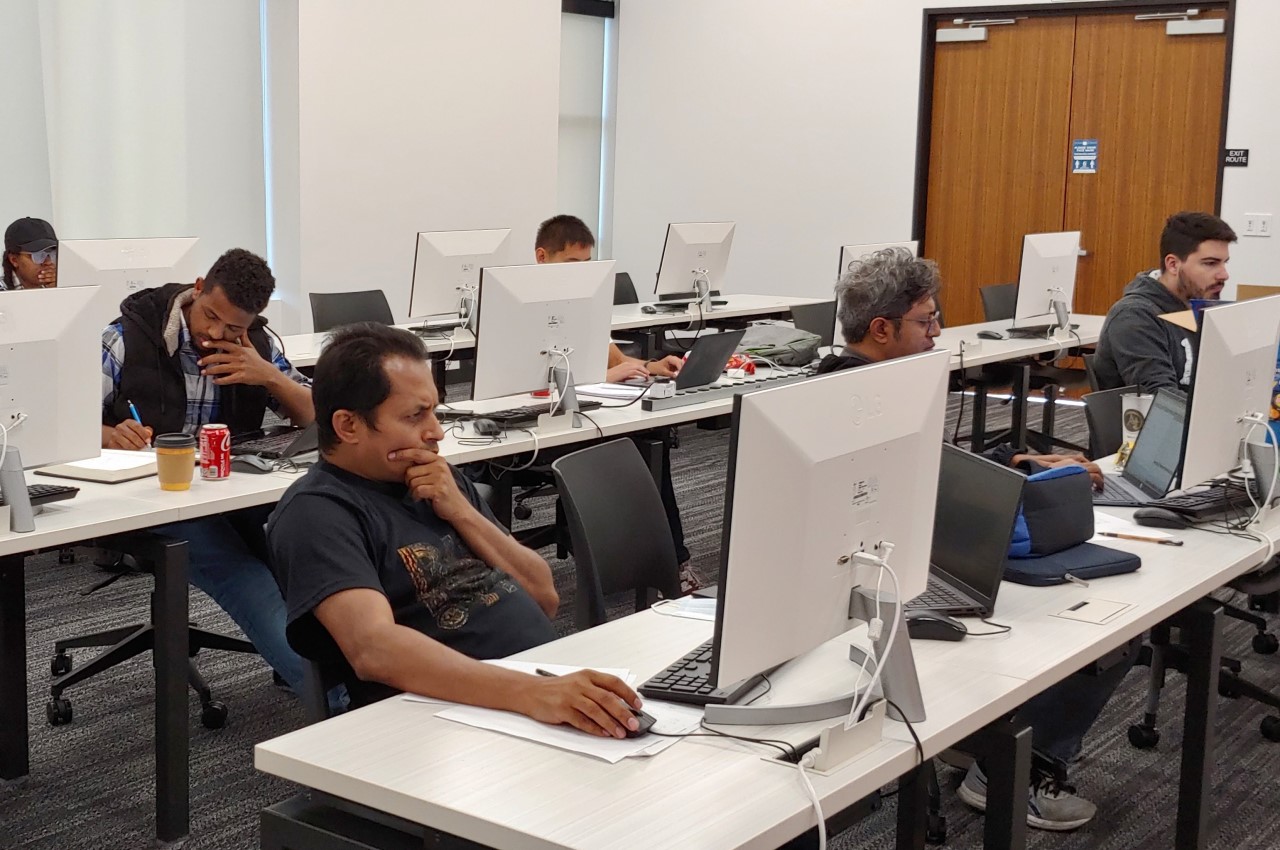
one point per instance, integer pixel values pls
(1117, 489)
(271, 446)
(937, 596)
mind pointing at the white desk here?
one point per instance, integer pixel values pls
(1002, 350)
(303, 350)
(396, 757)
(632, 316)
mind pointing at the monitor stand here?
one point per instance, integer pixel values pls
(567, 410)
(13, 485)
(898, 681)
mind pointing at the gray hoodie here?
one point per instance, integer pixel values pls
(1137, 347)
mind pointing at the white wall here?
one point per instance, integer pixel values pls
(24, 146)
(799, 122)
(415, 116)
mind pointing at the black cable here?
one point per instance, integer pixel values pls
(955, 433)
(628, 404)
(1003, 629)
(910, 728)
(702, 326)
(782, 746)
(599, 430)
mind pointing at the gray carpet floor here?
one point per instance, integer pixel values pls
(91, 784)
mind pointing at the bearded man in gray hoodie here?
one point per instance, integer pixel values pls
(1137, 347)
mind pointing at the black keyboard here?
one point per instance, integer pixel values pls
(1116, 489)
(938, 596)
(529, 413)
(40, 494)
(1034, 331)
(270, 446)
(688, 681)
(1215, 502)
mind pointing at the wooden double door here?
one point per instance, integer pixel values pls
(1004, 114)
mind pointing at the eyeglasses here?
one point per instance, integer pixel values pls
(935, 318)
(39, 257)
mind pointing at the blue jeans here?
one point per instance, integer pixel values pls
(222, 563)
(1060, 716)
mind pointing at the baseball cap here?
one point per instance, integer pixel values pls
(29, 234)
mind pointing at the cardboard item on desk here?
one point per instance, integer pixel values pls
(1249, 291)
(1184, 319)
(113, 466)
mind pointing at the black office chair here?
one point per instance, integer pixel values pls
(128, 641)
(998, 304)
(1088, 371)
(334, 309)
(817, 319)
(1102, 412)
(624, 291)
(621, 539)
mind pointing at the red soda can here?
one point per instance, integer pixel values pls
(215, 452)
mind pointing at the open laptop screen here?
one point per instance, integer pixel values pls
(977, 507)
(1154, 460)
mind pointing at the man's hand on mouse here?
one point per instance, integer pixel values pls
(594, 702)
(430, 479)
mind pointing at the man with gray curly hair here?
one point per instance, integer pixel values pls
(887, 304)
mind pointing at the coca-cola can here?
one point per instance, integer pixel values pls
(215, 452)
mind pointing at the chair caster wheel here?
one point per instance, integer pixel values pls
(522, 512)
(1265, 643)
(58, 711)
(67, 555)
(1144, 737)
(1270, 728)
(213, 715)
(1227, 689)
(60, 665)
(936, 831)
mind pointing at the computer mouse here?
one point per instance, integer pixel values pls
(254, 464)
(990, 335)
(1159, 518)
(486, 427)
(646, 723)
(934, 625)
(648, 308)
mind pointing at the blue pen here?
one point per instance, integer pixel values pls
(134, 412)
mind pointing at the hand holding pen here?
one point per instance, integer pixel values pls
(130, 434)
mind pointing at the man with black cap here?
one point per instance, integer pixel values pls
(30, 255)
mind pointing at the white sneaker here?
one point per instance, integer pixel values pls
(1051, 804)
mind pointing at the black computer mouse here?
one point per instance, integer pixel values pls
(990, 335)
(648, 308)
(255, 464)
(934, 625)
(486, 427)
(646, 723)
(1159, 518)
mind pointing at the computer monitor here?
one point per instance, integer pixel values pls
(819, 471)
(694, 258)
(1233, 375)
(850, 253)
(1047, 277)
(446, 269)
(51, 393)
(542, 322)
(124, 266)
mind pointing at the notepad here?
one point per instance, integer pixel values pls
(625, 392)
(111, 467)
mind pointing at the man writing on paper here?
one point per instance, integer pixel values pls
(887, 306)
(1137, 347)
(395, 572)
(183, 356)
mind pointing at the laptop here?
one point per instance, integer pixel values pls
(1153, 463)
(976, 511)
(707, 359)
(277, 443)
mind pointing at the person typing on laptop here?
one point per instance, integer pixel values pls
(887, 306)
(396, 573)
(184, 355)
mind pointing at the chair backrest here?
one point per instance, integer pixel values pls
(1102, 413)
(999, 302)
(1089, 373)
(817, 319)
(334, 309)
(621, 539)
(624, 291)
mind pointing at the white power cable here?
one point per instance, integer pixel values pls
(568, 376)
(873, 632)
(807, 761)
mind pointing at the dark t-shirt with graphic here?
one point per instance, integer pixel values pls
(337, 531)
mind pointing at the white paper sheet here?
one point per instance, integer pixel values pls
(1115, 525)
(670, 718)
(115, 460)
(625, 392)
(689, 607)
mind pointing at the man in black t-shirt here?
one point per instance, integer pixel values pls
(395, 572)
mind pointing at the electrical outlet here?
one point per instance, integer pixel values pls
(1257, 224)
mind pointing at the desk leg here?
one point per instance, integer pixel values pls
(1007, 751)
(1202, 629)
(913, 807)
(14, 763)
(169, 615)
(1021, 389)
(978, 429)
